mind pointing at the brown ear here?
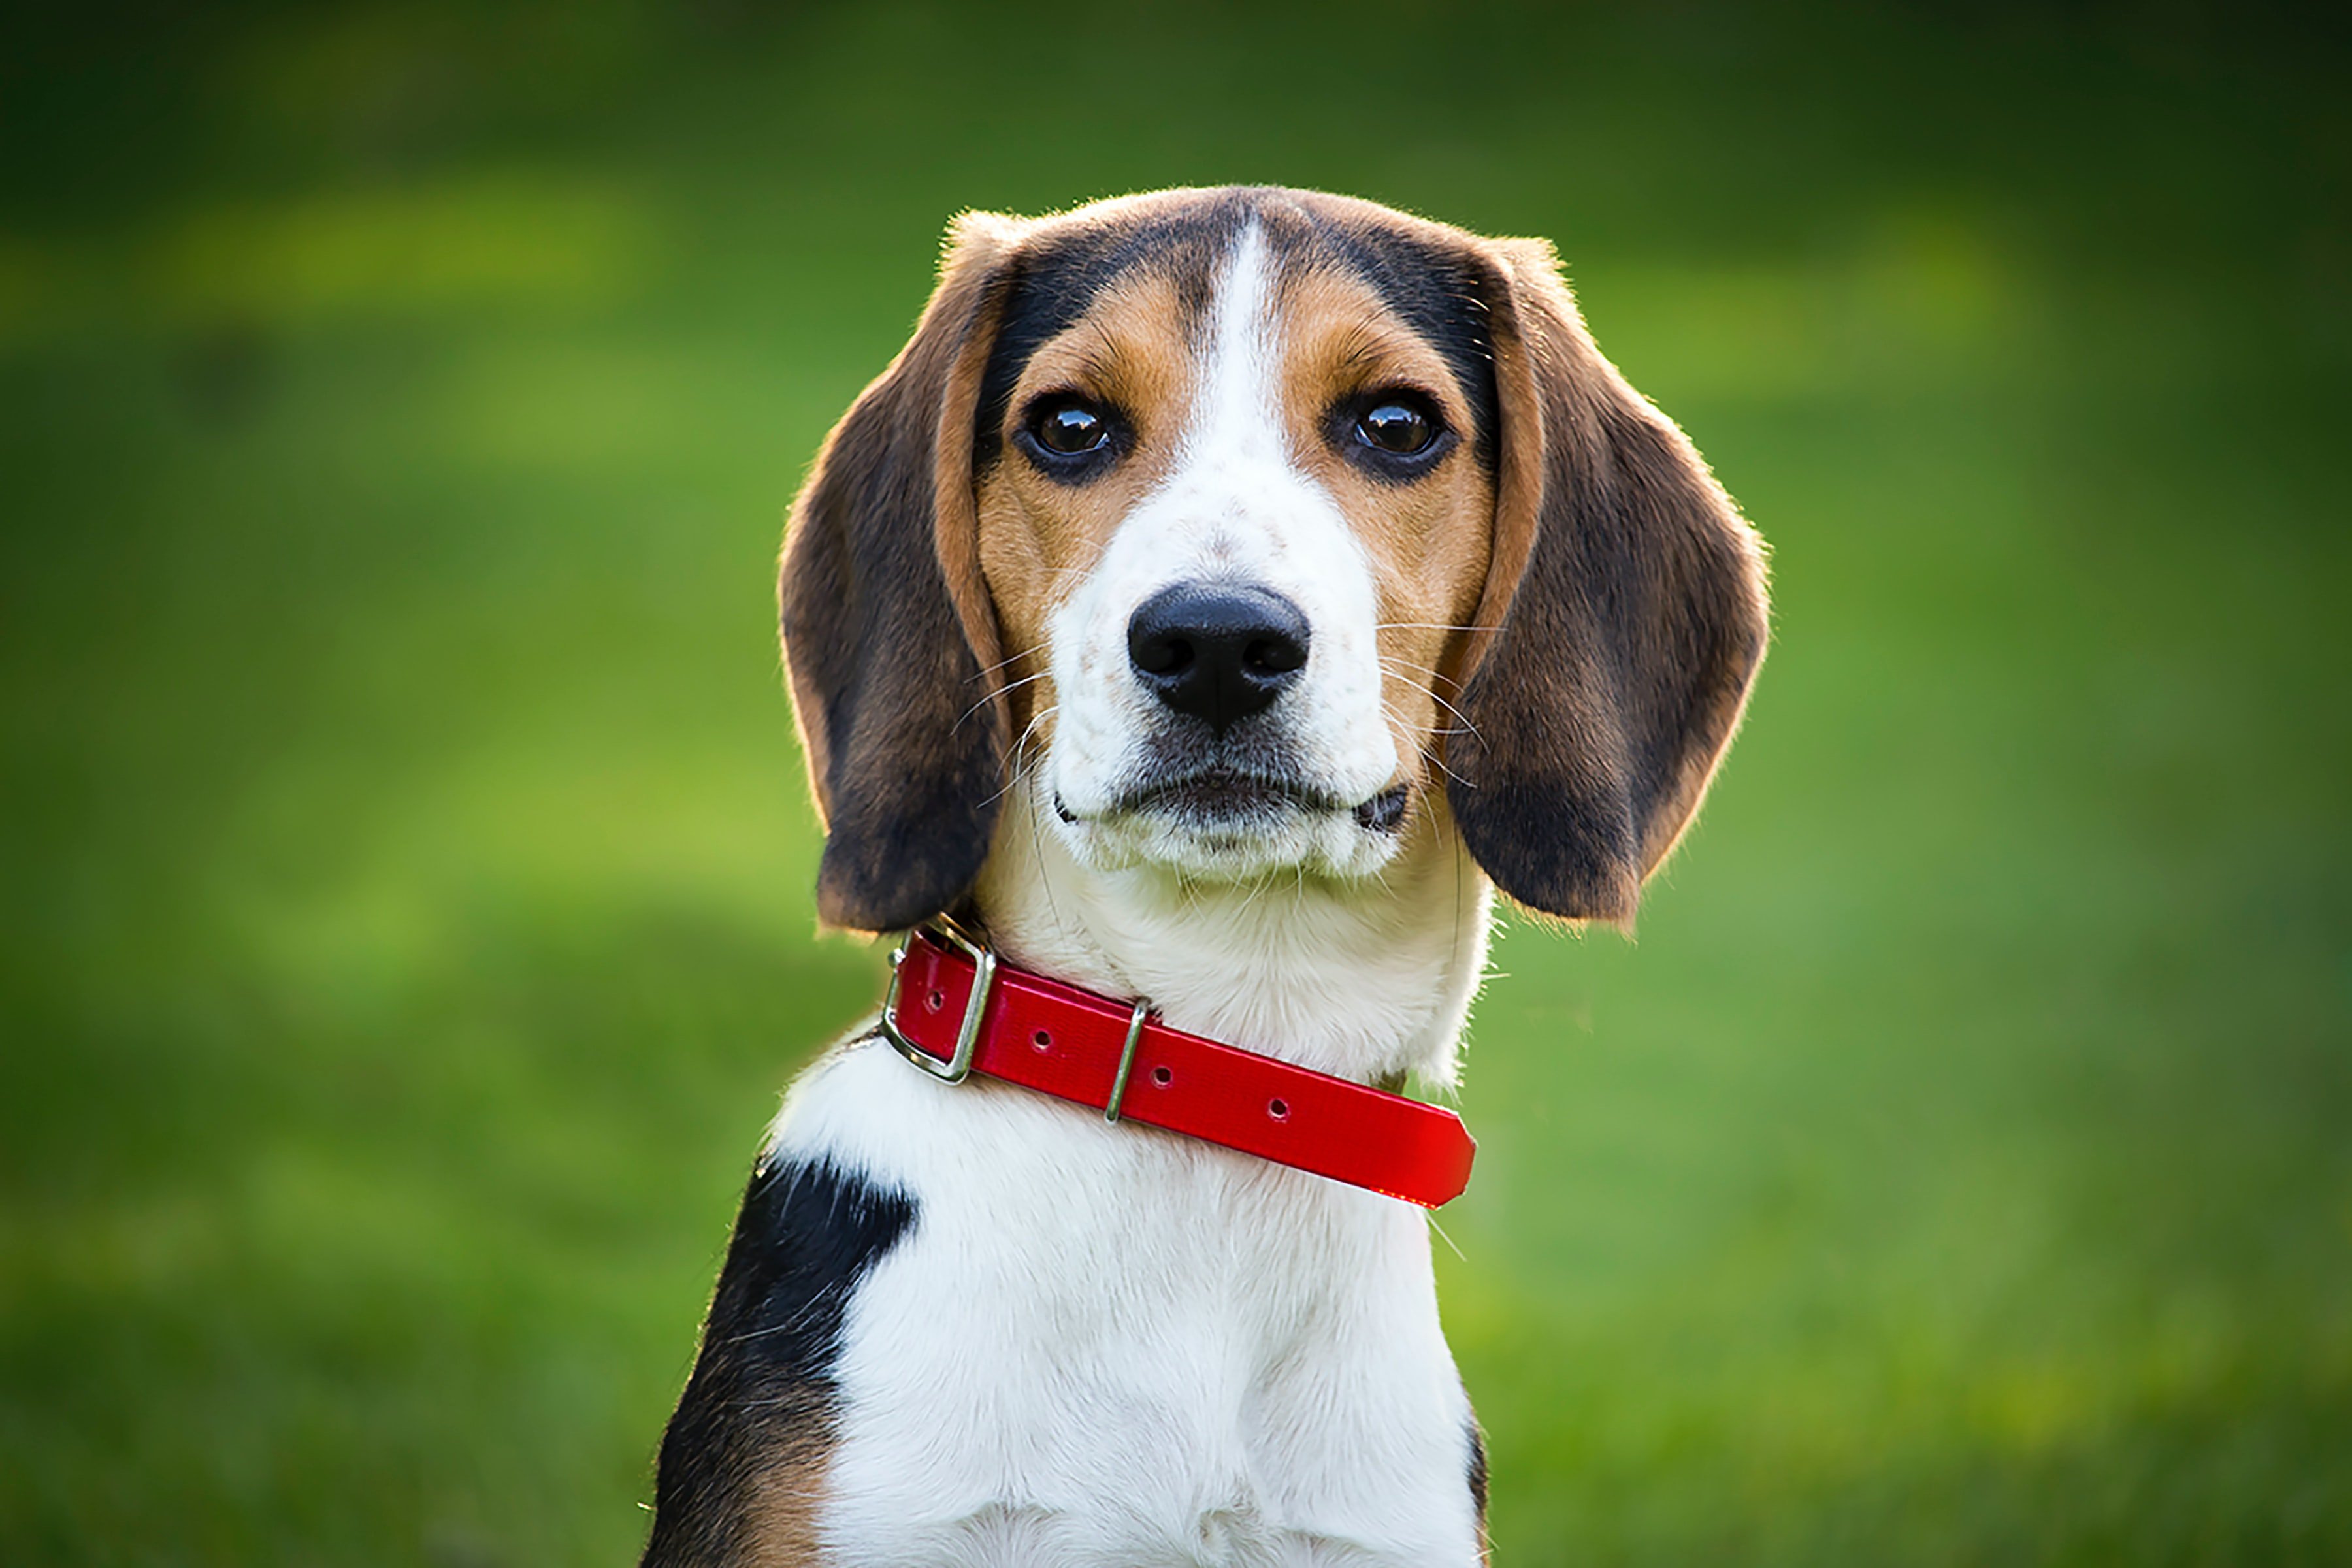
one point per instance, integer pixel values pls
(1627, 598)
(888, 635)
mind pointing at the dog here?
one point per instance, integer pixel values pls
(1222, 594)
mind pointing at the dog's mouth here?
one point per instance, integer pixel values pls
(1226, 798)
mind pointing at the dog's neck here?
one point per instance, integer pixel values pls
(1365, 979)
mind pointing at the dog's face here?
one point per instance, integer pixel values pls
(1251, 524)
(1233, 514)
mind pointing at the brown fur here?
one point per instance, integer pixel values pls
(1628, 598)
(784, 1505)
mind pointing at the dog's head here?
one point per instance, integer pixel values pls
(1250, 522)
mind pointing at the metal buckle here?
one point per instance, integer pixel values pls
(1127, 1058)
(983, 980)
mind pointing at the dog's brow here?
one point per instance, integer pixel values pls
(1105, 359)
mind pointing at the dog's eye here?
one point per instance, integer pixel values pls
(1392, 434)
(1069, 428)
(1071, 439)
(1396, 426)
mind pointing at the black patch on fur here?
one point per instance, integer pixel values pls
(1478, 1479)
(763, 1384)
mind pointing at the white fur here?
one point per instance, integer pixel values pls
(1115, 1346)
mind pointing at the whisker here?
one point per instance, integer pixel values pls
(1255, 893)
(1467, 728)
(1000, 664)
(1431, 758)
(1024, 749)
(1007, 692)
(1037, 847)
(1025, 760)
(1428, 756)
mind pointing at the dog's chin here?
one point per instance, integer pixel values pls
(1220, 825)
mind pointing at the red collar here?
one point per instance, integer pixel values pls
(954, 1009)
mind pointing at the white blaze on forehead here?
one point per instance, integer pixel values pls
(1236, 508)
(1239, 412)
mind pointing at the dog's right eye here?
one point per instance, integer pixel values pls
(1070, 439)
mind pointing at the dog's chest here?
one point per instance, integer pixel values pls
(1110, 1345)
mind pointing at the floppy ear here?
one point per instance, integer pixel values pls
(889, 637)
(1627, 598)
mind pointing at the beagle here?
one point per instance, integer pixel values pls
(1219, 597)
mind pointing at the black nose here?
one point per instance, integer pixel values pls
(1219, 653)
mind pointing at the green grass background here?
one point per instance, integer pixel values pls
(405, 867)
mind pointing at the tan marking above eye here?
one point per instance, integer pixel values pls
(1429, 542)
(1039, 534)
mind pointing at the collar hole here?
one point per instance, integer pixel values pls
(1278, 1108)
(1162, 1077)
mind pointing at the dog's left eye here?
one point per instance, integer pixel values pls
(1069, 428)
(1396, 428)
(1393, 435)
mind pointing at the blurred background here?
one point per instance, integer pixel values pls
(405, 869)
